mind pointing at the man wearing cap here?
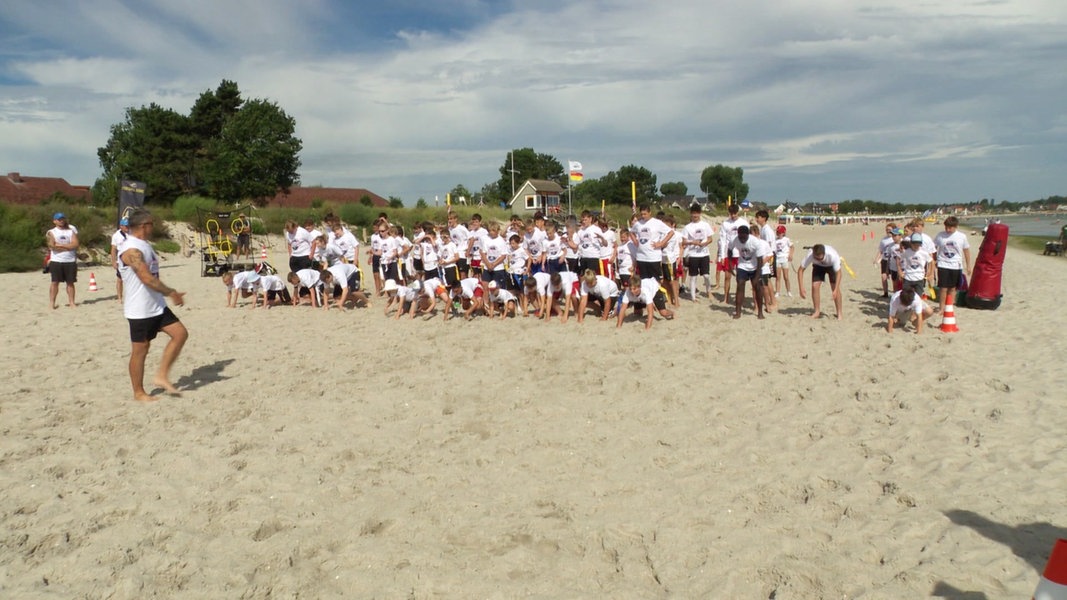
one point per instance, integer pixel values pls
(117, 240)
(243, 227)
(824, 261)
(145, 306)
(62, 241)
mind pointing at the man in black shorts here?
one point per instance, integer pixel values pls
(145, 307)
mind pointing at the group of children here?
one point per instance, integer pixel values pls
(541, 268)
(524, 267)
(912, 262)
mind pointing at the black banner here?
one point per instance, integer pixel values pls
(131, 196)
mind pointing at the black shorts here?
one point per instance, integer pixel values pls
(949, 278)
(244, 240)
(390, 271)
(282, 294)
(593, 264)
(667, 271)
(572, 265)
(649, 270)
(885, 266)
(354, 281)
(919, 286)
(375, 262)
(297, 263)
(145, 330)
(553, 266)
(743, 275)
(699, 265)
(819, 273)
(63, 272)
(462, 265)
(417, 264)
(624, 281)
(451, 274)
(500, 277)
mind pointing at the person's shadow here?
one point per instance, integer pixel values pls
(1031, 542)
(204, 375)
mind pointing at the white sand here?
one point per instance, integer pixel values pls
(345, 455)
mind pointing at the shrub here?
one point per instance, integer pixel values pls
(185, 207)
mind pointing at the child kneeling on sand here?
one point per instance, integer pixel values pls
(906, 306)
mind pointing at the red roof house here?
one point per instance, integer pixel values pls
(16, 189)
(302, 197)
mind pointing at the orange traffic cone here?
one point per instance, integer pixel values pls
(1053, 584)
(948, 320)
(263, 255)
(864, 236)
(92, 282)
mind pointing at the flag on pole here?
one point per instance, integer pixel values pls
(575, 169)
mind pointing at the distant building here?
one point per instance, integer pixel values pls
(16, 189)
(537, 195)
(302, 197)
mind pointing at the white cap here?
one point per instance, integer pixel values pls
(390, 285)
(492, 285)
(251, 276)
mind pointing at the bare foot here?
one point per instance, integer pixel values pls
(167, 386)
(815, 315)
(760, 316)
(737, 315)
(143, 397)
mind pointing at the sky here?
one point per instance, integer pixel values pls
(931, 101)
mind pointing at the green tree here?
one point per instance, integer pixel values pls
(420, 203)
(720, 182)
(365, 200)
(395, 202)
(527, 164)
(255, 155)
(674, 188)
(210, 113)
(154, 145)
(458, 192)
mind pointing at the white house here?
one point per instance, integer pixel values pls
(537, 194)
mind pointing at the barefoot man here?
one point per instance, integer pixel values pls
(145, 306)
(824, 261)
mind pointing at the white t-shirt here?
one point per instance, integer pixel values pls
(240, 281)
(459, 235)
(341, 272)
(649, 288)
(309, 278)
(831, 259)
(697, 233)
(271, 283)
(647, 233)
(140, 301)
(950, 247)
(728, 233)
(494, 248)
(469, 286)
(567, 281)
(553, 248)
(604, 288)
(429, 254)
(299, 242)
(914, 264)
(625, 258)
(390, 249)
(63, 236)
(896, 307)
(606, 250)
(589, 241)
(749, 253)
(672, 251)
(782, 246)
(544, 282)
(479, 236)
(347, 244)
(534, 244)
(884, 245)
(517, 261)
(501, 295)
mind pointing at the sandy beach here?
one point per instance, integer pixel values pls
(338, 454)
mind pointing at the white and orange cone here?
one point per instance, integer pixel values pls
(948, 320)
(263, 254)
(1053, 584)
(92, 282)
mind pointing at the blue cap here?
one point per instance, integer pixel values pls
(58, 216)
(124, 221)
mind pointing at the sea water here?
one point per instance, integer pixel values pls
(1040, 225)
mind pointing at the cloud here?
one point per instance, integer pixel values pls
(410, 99)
